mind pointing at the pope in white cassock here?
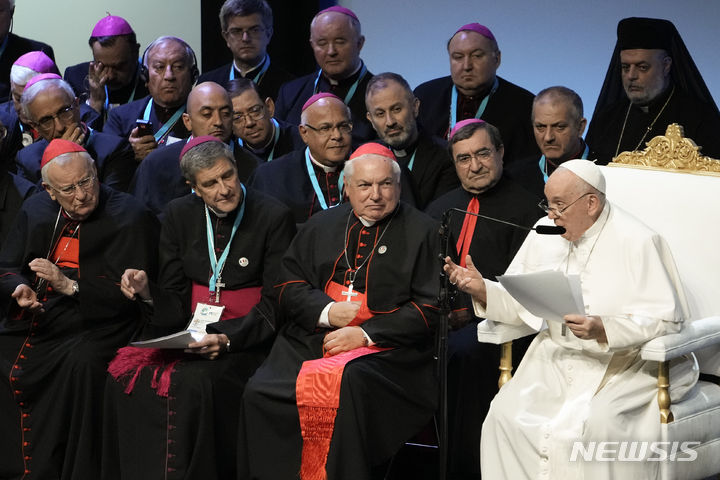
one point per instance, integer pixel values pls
(583, 381)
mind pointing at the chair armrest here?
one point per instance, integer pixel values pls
(695, 335)
(499, 333)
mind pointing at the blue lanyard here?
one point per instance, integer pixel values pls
(480, 110)
(412, 161)
(215, 264)
(168, 125)
(259, 76)
(353, 88)
(316, 185)
(132, 94)
(543, 163)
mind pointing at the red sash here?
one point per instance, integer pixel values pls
(317, 390)
(129, 361)
(237, 302)
(466, 233)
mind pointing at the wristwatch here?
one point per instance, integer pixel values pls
(75, 289)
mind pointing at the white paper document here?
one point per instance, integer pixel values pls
(550, 295)
(204, 314)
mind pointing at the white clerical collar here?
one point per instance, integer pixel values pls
(595, 229)
(400, 153)
(245, 72)
(334, 82)
(218, 214)
(325, 168)
(367, 223)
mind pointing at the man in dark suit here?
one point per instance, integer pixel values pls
(53, 110)
(13, 46)
(112, 78)
(336, 41)
(247, 27)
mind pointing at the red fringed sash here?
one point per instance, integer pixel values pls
(317, 390)
(129, 361)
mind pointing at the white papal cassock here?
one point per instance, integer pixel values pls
(567, 389)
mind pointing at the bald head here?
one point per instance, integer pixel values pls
(209, 111)
(325, 128)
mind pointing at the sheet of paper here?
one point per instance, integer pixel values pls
(176, 340)
(550, 295)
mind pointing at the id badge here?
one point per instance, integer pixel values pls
(204, 314)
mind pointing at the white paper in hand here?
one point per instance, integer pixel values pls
(550, 295)
(204, 314)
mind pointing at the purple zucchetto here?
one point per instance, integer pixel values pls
(40, 78)
(37, 61)
(317, 97)
(339, 9)
(463, 123)
(477, 28)
(110, 26)
(195, 141)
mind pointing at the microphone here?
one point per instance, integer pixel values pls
(540, 229)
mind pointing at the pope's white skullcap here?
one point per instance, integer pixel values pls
(588, 171)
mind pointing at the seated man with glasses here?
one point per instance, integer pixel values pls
(254, 126)
(65, 316)
(209, 112)
(582, 379)
(50, 105)
(477, 151)
(247, 27)
(310, 180)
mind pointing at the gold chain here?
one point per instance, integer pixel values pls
(649, 128)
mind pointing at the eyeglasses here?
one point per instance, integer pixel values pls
(483, 155)
(254, 113)
(343, 127)
(65, 115)
(252, 32)
(85, 185)
(559, 211)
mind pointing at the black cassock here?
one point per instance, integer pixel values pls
(294, 94)
(77, 77)
(385, 397)
(473, 366)
(53, 364)
(288, 180)
(16, 47)
(432, 173)
(198, 439)
(268, 83)
(699, 120)
(288, 140)
(508, 109)
(158, 179)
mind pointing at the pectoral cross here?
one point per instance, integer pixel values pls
(218, 285)
(349, 293)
